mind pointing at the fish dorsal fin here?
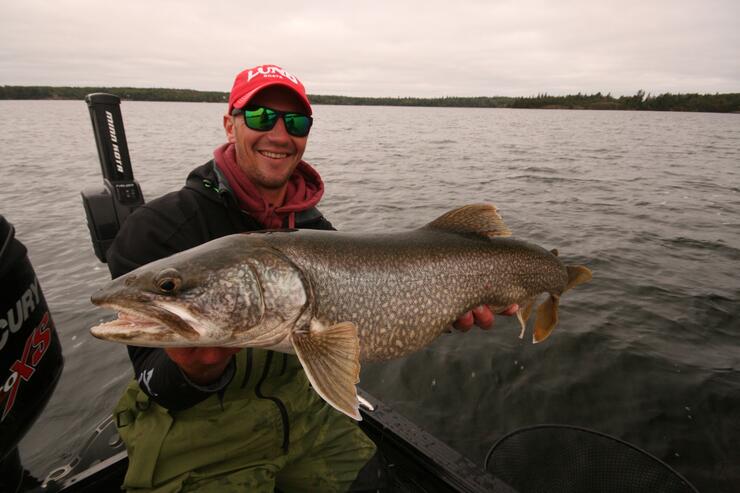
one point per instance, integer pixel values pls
(479, 219)
(331, 358)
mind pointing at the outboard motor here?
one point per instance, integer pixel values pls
(30, 354)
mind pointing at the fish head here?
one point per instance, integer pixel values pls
(206, 296)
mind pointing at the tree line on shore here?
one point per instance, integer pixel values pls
(720, 103)
(716, 103)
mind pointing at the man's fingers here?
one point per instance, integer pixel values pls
(483, 317)
(510, 310)
(465, 322)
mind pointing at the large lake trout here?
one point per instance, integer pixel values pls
(335, 298)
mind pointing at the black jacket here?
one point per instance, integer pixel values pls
(203, 210)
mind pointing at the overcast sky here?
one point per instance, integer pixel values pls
(423, 48)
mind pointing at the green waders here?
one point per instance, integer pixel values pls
(241, 444)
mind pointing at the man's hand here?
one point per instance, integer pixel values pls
(202, 365)
(481, 316)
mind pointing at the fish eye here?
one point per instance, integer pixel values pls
(168, 281)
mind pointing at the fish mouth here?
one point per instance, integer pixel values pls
(155, 326)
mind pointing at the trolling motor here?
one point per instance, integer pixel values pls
(30, 354)
(107, 208)
(101, 462)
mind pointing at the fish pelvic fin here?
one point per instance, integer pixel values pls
(546, 319)
(479, 219)
(525, 310)
(331, 358)
(577, 274)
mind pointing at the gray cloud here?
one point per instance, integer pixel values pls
(379, 48)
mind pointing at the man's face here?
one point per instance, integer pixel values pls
(267, 158)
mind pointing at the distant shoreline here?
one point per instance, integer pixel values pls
(715, 103)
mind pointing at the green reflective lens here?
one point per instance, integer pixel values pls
(297, 124)
(262, 119)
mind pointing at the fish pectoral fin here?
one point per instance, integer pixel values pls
(331, 358)
(547, 318)
(479, 219)
(577, 274)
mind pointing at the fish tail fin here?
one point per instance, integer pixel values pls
(577, 274)
(547, 312)
(546, 319)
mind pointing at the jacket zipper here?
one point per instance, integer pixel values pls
(281, 407)
(248, 370)
(285, 364)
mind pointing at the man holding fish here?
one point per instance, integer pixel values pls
(227, 418)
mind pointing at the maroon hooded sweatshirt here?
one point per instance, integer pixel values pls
(305, 189)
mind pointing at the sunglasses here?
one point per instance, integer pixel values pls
(262, 119)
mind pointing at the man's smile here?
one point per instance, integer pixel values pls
(274, 155)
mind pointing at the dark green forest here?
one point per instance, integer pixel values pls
(126, 93)
(718, 103)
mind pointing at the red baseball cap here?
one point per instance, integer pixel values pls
(252, 80)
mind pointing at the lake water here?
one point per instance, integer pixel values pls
(649, 351)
